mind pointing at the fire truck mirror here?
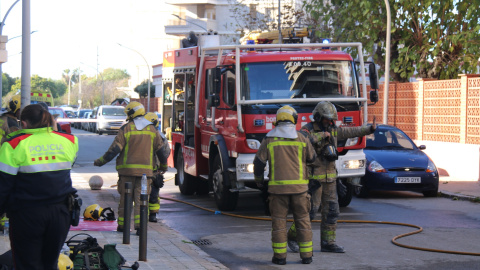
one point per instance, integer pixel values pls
(372, 73)
(374, 96)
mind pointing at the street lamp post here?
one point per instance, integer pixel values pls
(103, 83)
(2, 23)
(26, 87)
(387, 65)
(149, 75)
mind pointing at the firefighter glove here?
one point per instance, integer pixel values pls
(341, 188)
(163, 168)
(98, 162)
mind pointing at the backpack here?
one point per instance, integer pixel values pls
(87, 254)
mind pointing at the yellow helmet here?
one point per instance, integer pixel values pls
(64, 262)
(152, 117)
(95, 212)
(14, 104)
(286, 114)
(134, 109)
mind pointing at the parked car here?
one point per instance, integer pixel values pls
(394, 162)
(81, 115)
(109, 118)
(85, 125)
(60, 113)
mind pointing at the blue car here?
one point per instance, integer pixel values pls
(394, 162)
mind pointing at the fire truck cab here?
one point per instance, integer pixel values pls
(219, 102)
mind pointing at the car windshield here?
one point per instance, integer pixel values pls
(58, 112)
(389, 139)
(298, 79)
(113, 111)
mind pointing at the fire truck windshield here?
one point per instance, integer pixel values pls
(298, 79)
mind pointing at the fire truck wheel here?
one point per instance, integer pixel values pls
(225, 199)
(186, 182)
(345, 200)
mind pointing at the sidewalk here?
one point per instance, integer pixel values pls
(460, 190)
(166, 248)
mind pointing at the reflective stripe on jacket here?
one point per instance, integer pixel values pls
(287, 163)
(35, 168)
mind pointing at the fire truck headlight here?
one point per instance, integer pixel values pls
(246, 168)
(351, 141)
(354, 164)
(253, 144)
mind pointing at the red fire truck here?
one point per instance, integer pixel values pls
(219, 102)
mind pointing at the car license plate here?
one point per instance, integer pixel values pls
(402, 180)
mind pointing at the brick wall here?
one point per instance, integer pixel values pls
(431, 110)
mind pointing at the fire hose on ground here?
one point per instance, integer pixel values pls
(394, 239)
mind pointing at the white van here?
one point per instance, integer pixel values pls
(109, 118)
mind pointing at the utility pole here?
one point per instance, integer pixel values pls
(387, 65)
(279, 24)
(26, 87)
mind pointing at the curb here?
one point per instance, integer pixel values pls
(458, 196)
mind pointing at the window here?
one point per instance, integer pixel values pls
(229, 88)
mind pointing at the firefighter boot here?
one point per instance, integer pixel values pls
(153, 217)
(328, 243)
(307, 260)
(292, 239)
(278, 261)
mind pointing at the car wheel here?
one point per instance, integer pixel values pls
(225, 199)
(100, 132)
(345, 200)
(430, 193)
(186, 182)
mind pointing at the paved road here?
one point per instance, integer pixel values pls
(245, 244)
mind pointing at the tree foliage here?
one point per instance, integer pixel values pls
(112, 74)
(142, 89)
(7, 83)
(441, 38)
(37, 83)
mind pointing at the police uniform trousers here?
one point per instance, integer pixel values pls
(326, 197)
(37, 235)
(137, 188)
(279, 205)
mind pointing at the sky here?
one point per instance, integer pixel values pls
(69, 32)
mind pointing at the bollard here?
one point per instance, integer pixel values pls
(142, 250)
(142, 256)
(127, 214)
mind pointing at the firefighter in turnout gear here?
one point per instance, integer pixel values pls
(158, 171)
(137, 145)
(287, 152)
(8, 118)
(324, 134)
(35, 187)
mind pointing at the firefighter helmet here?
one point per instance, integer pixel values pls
(152, 117)
(286, 114)
(95, 212)
(64, 262)
(14, 104)
(134, 109)
(325, 109)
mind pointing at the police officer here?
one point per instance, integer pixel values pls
(287, 152)
(35, 183)
(324, 134)
(160, 168)
(136, 144)
(8, 118)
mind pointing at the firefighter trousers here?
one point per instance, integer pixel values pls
(325, 197)
(37, 235)
(153, 200)
(279, 205)
(137, 188)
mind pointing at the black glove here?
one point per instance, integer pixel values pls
(341, 188)
(313, 185)
(158, 181)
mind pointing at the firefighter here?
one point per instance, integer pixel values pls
(160, 168)
(324, 134)
(8, 118)
(287, 152)
(35, 185)
(136, 144)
